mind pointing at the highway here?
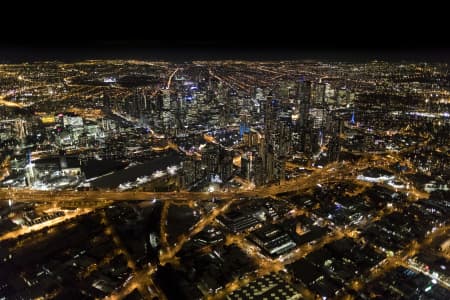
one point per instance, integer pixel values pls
(26, 195)
(10, 103)
(169, 82)
(333, 172)
(53, 222)
(141, 279)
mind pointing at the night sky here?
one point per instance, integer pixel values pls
(186, 50)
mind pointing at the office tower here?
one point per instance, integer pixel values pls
(319, 117)
(269, 164)
(250, 139)
(258, 171)
(18, 128)
(225, 168)
(304, 101)
(283, 142)
(334, 145)
(166, 114)
(210, 159)
(280, 169)
(192, 171)
(266, 147)
(224, 114)
(319, 94)
(246, 165)
(334, 148)
(244, 126)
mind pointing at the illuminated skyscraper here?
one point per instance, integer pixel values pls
(246, 165)
(20, 128)
(258, 167)
(334, 145)
(210, 159)
(275, 143)
(244, 126)
(319, 94)
(225, 167)
(304, 101)
(192, 171)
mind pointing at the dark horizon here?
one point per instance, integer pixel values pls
(179, 51)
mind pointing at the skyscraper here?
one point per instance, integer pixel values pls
(246, 165)
(319, 94)
(334, 145)
(225, 169)
(259, 171)
(192, 171)
(303, 101)
(210, 159)
(244, 126)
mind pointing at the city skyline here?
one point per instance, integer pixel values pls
(207, 178)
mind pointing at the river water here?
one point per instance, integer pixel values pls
(146, 168)
(110, 174)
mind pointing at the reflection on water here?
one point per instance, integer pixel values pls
(147, 168)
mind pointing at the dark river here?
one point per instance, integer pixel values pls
(119, 174)
(146, 168)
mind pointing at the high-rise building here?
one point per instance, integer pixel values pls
(319, 117)
(166, 115)
(166, 100)
(306, 139)
(246, 165)
(210, 159)
(269, 163)
(244, 126)
(319, 94)
(304, 101)
(334, 149)
(259, 178)
(334, 145)
(275, 144)
(283, 139)
(280, 169)
(225, 169)
(250, 139)
(192, 171)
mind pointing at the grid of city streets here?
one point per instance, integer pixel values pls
(130, 179)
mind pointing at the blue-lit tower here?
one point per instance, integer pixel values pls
(244, 126)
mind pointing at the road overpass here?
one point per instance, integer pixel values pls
(333, 172)
(101, 196)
